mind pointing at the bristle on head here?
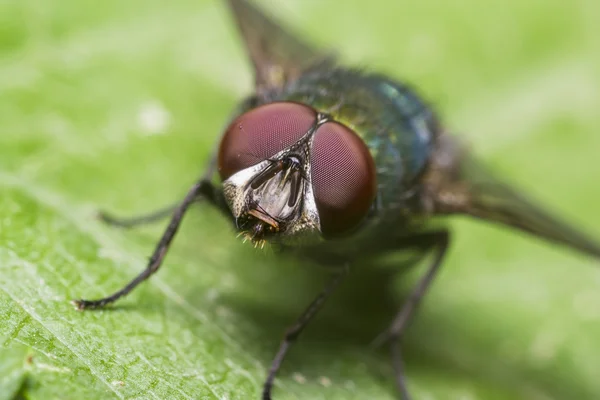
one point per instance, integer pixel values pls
(248, 236)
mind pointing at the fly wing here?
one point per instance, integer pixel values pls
(277, 55)
(470, 188)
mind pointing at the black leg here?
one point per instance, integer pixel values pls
(130, 222)
(398, 365)
(202, 189)
(439, 241)
(294, 331)
(159, 214)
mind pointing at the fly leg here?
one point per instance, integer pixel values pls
(294, 331)
(437, 240)
(156, 215)
(144, 219)
(203, 189)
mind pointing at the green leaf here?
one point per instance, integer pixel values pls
(117, 105)
(12, 371)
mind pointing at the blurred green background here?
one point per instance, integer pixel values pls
(116, 105)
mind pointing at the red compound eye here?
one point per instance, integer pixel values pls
(343, 178)
(261, 133)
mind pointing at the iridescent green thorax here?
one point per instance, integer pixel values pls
(397, 126)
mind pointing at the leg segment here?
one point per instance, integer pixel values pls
(159, 214)
(202, 189)
(294, 331)
(137, 220)
(437, 240)
(398, 365)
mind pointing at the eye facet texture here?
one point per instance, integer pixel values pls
(343, 177)
(261, 133)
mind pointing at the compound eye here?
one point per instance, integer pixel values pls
(261, 133)
(343, 177)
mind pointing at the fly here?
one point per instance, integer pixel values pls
(340, 164)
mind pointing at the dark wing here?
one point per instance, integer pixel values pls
(276, 54)
(469, 188)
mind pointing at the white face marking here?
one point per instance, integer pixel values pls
(272, 197)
